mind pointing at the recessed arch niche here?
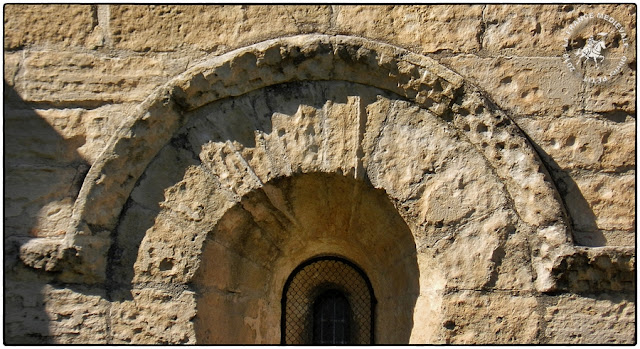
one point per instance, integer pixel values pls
(254, 248)
(332, 112)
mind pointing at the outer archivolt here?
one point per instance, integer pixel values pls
(307, 58)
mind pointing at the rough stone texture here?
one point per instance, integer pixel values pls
(602, 319)
(420, 27)
(524, 85)
(490, 319)
(55, 315)
(67, 25)
(166, 167)
(585, 143)
(42, 181)
(538, 30)
(543, 86)
(597, 270)
(590, 157)
(611, 199)
(209, 28)
(154, 315)
(90, 79)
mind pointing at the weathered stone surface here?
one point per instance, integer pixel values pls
(93, 79)
(588, 158)
(523, 85)
(12, 61)
(471, 317)
(611, 199)
(154, 316)
(153, 113)
(65, 25)
(592, 270)
(604, 320)
(77, 316)
(302, 145)
(538, 30)
(55, 315)
(584, 142)
(44, 209)
(616, 99)
(209, 28)
(515, 163)
(418, 27)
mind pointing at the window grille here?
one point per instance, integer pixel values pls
(327, 300)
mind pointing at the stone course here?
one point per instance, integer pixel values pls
(163, 161)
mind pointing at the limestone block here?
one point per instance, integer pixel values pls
(605, 320)
(154, 316)
(80, 133)
(168, 168)
(25, 319)
(94, 79)
(511, 263)
(210, 27)
(427, 29)
(39, 313)
(466, 259)
(611, 238)
(611, 199)
(65, 25)
(319, 57)
(602, 269)
(191, 209)
(128, 151)
(160, 261)
(510, 155)
(522, 85)
(39, 199)
(258, 21)
(41, 253)
(229, 167)
(32, 135)
(233, 318)
(538, 30)
(440, 169)
(249, 240)
(223, 269)
(484, 254)
(616, 99)
(472, 317)
(584, 142)
(618, 148)
(77, 316)
(97, 126)
(12, 61)
(134, 224)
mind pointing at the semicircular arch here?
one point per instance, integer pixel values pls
(437, 100)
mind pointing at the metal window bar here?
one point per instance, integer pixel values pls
(305, 287)
(331, 318)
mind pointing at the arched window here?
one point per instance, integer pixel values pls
(327, 300)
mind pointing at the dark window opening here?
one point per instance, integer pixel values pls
(327, 300)
(331, 318)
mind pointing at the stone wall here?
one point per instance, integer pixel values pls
(77, 76)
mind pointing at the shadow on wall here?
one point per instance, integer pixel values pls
(43, 173)
(583, 220)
